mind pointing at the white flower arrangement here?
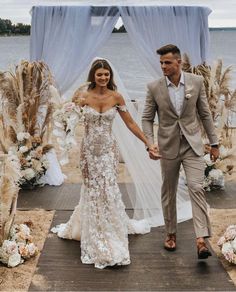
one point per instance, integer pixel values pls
(33, 162)
(227, 244)
(22, 135)
(66, 117)
(23, 149)
(19, 247)
(215, 171)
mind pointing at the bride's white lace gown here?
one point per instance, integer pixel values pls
(100, 221)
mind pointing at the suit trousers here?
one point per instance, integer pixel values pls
(193, 166)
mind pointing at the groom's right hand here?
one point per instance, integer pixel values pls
(154, 152)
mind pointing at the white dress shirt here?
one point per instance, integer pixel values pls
(176, 93)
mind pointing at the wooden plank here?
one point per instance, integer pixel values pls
(64, 197)
(152, 268)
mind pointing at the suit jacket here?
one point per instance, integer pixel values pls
(171, 126)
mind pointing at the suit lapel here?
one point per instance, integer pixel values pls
(165, 93)
(187, 90)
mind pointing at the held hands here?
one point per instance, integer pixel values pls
(154, 152)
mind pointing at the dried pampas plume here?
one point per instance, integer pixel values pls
(220, 97)
(78, 96)
(9, 175)
(25, 117)
(26, 103)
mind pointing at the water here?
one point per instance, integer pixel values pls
(12, 50)
(121, 53)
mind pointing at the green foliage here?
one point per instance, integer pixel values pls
(7, 28)
(208, 169)
(121, 29)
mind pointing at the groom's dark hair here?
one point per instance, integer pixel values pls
(169, 49)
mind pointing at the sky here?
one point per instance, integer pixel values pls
(223, 11)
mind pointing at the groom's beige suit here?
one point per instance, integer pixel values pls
(180, 142)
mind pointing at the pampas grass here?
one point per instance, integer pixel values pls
(10, 174)
(26, 101)
(221, 99)
(25, 110)
(222, 102)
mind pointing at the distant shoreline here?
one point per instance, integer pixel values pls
(124, 31)
(222, 28)
(14, 35)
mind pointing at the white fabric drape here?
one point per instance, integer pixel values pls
(151, 27)
(68, 37)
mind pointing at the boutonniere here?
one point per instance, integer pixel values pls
(188, 95)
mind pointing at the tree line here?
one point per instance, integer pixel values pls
(121, 29)
(7, 28)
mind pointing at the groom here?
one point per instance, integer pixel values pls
(180, 102)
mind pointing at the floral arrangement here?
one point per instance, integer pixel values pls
(66, 117)
(26, 107)
(32, 159)
(227, 244)
(215, 171)
(18, 247)
(222, 103)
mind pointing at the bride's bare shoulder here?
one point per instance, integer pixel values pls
(119, 98)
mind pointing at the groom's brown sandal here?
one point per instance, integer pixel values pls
(202, 251)
(170, 242)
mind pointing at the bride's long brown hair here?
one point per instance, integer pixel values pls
(97, 64)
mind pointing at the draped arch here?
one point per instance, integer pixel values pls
(68, 37)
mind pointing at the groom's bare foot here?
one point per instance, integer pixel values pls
(170, 242)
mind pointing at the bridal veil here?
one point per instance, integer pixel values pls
(144, 191)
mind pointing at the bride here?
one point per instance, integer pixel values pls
(99, 221)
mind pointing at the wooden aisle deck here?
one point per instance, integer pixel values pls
(152, 268)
